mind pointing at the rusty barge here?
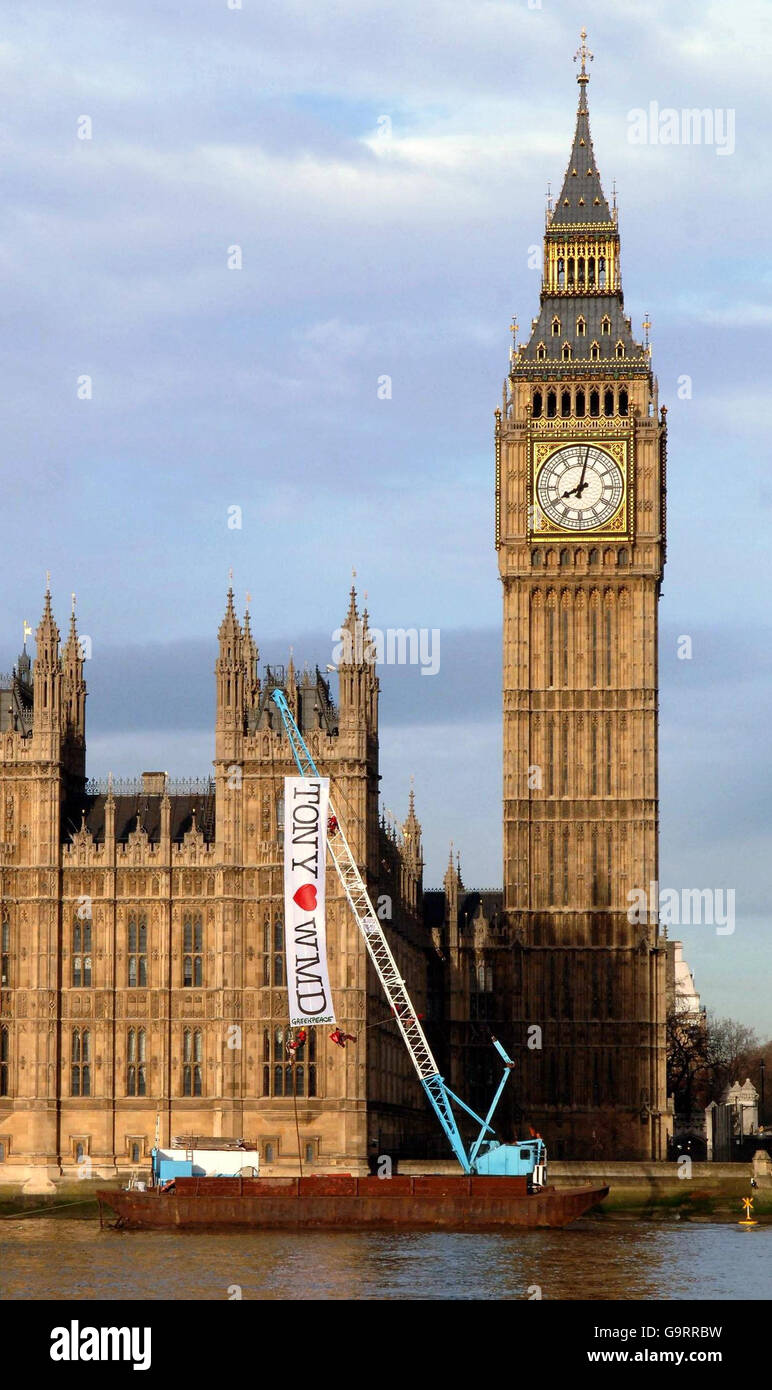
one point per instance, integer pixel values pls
(335, 1201)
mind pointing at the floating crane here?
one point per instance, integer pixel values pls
(487, 1155)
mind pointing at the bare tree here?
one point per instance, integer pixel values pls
(731, 1048)
(704, 1055)
(687, 1059)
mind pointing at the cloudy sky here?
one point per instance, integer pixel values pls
(382, 168)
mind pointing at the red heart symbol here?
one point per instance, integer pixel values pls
(305, 897)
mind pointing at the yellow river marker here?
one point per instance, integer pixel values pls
(748, 1220)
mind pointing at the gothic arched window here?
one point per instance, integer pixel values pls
(192, 1056)
(4, 1060)
(80, 1058)
(137, 952)
(193, 947)
(136, 1058)
(81, 952)
(537, 404)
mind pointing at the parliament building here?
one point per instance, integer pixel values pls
(143, 977)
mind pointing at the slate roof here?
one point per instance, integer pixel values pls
(149, 808)
(434, 907)
(492, 900)
(593, 308)
(581, 199)
(16, 699)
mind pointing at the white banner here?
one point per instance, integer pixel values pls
(306, 801)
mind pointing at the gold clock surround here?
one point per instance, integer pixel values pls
(542, 527)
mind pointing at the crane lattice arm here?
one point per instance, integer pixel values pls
(386, 968)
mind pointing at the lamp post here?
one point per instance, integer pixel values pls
(762, 1069)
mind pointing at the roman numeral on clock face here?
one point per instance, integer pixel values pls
(580, 487)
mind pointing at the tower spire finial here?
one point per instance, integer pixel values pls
(584, 53)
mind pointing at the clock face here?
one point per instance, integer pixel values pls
(579, 487)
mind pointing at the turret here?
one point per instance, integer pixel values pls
(251, 657)
(47, 686)
(74, 700)
(453, 886)
(231, 674)
(231, 681)
(412, 854)
(292, 686)
(356, 671)
(411, 831)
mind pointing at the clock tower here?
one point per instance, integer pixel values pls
(580, 535)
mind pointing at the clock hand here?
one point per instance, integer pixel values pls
(581, 485)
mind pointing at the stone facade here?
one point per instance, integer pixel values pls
(580, 591)
(142, 931)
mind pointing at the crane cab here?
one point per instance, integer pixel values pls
(527, 1159)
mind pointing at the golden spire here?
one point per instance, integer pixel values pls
(584, 53)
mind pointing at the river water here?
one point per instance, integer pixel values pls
(52, 1258)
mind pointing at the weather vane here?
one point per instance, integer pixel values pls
(584, 53)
